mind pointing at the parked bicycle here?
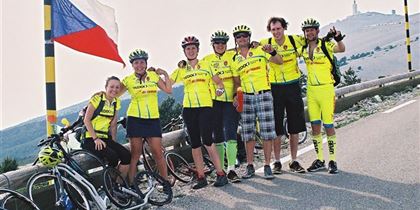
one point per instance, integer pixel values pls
(184, 170)
(12, 200)
(67, 184)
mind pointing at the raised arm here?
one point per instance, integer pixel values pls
(164, 85)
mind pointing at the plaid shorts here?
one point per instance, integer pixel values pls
(258, 106)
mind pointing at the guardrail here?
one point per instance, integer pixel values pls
(347, 96)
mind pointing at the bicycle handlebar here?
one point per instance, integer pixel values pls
(173, 122)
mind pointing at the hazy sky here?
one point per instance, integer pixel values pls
(156, 26)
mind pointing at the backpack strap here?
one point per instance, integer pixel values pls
(292, 41)
(325, 51)
(98, 109)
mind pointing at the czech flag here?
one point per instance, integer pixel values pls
(86, 26)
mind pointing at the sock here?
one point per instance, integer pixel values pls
(332, 146)
(231, 151)
(318, 146)
(220, 147)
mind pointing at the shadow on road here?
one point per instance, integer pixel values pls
(306, 191)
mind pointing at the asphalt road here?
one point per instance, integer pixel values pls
(379, 162)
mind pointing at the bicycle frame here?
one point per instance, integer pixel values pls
(80, 181)
(99, 201)
(74, 171)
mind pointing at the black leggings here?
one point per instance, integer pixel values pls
(113, 152)
(199, 122)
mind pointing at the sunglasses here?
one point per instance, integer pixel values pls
(219, 42)
(242, 36)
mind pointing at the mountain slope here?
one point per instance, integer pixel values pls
(367, 31)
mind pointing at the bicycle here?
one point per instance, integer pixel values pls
(151, 165)
(302, 135)
(12, 200)
(185, 171)
(65, 178)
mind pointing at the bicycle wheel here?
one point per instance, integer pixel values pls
(13, 200)
(153, 187)
(302, 135)
(151, 165)
(149, 162)
(92, 164)
(113, 184)
(44, 190)
(179, 167)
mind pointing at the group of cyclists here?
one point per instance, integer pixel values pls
(267, 72)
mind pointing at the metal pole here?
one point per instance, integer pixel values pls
(49, 69)
(407, 34)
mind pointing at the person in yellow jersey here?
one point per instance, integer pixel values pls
(250, 67)
(197, 108)
(286, 90)
(101, 134)
(320, 90)
(143, 111)
(226, 117)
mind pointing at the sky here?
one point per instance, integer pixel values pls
(156, 26)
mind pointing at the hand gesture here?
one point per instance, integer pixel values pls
(268, 48)
(160, 71)
(336, 34)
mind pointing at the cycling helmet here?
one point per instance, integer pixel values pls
(219, 36)
(50, 157)
(190, 40)
(138, 54)
(241, 29)
(310, 23)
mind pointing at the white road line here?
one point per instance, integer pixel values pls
(287, 158)
(399, 106)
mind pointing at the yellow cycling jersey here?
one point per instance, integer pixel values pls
(222, 67)
(102, 122)
(252, 70)
(319, 68)
(144, 95)
(287, 72)
(197, 84)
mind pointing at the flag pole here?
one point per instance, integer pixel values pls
(49, 69)
(407, 35)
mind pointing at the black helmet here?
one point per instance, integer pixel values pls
(138, 54)
(310, 23)
(220, 36)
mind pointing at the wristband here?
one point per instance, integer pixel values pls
(95, 138)
(274, 53)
